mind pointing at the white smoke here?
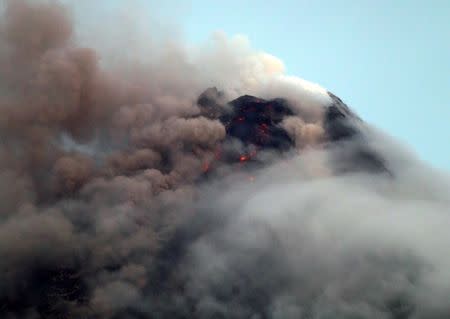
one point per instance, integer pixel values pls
(325, 246)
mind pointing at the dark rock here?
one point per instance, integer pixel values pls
(353, 153)
(211, 103)
(255, 123)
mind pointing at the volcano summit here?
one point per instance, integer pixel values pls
(257, 126)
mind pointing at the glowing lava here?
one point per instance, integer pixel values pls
(244, 158)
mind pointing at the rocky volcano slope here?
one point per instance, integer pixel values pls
(257, 125)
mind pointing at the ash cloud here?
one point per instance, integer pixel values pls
(105, 211)
(358, 246)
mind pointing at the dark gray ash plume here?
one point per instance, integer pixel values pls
(128, 191)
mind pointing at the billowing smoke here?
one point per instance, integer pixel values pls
(125, 195)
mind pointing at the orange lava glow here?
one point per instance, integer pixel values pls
(205, 167)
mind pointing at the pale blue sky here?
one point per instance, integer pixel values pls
(388, 59)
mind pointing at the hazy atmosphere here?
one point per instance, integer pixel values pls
(150, 170)
(389, 60)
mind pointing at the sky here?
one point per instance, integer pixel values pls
(388, 60)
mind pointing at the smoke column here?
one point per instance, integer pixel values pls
(104, 211)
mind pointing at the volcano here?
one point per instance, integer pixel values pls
(256, 124)
(127, 193)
